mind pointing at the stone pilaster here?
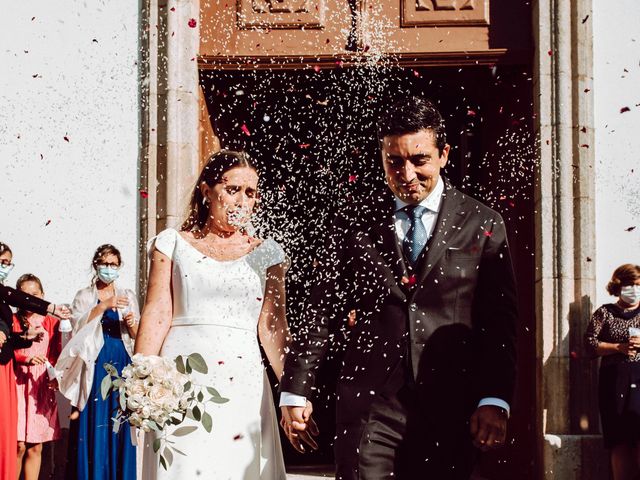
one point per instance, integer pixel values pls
(565, 232)
(170, 111)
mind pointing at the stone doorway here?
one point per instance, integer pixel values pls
(312, 132)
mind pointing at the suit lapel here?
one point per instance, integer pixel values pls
(450, 219)
(386, 240)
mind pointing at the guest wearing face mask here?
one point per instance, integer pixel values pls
(106, 322)
(9, 341)
(614, 335)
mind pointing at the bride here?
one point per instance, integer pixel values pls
(214, 289)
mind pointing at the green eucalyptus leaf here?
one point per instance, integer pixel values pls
(111, 370)
(218, 400)
(207, 422)
(105, 387)
(182, 431)
(197, 415)
(178, 451)
(163, 462)
(180, 364)
(196, 361)
(117, 421)
(168, 456)
(213, 392)
(156, 444)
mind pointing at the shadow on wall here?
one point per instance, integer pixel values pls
(582, 443)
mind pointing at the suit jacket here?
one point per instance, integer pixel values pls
(450, 321)
(10, 296)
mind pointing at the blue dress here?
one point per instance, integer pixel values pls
(103, 454)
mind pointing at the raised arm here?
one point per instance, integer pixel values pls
(23, 301)
(273, 330)
(158, 308)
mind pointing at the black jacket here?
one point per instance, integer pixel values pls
(12, 297)
(452, 321)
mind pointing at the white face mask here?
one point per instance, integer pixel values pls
(630, 294)
(108, 274)
(5, 270)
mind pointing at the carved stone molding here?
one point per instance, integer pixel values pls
(280, 14)
(424, 13)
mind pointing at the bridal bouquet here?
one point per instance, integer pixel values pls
(155, 392)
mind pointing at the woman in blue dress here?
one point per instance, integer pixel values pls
(106, 321)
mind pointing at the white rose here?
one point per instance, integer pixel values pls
(127, 372)
(145, 411)
(134, 402)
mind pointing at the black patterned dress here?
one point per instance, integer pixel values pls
(619, 380)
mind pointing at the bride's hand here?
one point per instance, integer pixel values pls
(299, 426)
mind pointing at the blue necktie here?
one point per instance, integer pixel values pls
(417, 235)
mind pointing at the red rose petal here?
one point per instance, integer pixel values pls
(353, 178)
(238, 437)
(245, 130)
(47, 223)
(66, 139)
(259, 299)
(630, 229)
(144, 194)
(487, 233)
(304, 145)
(625, 109)
(220, 362)
(316, 68)
(192, 23)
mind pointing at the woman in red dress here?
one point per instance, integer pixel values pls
(37, 406)
(9, 341)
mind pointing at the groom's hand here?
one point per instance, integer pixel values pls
(299, 427)
(489, 427)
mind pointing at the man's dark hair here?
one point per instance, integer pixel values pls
(410, 115)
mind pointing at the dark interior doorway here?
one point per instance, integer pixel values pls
(312, 133)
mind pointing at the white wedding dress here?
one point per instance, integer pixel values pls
(216, 305)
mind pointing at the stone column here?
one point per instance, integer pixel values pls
(169, 114)
(565, 233)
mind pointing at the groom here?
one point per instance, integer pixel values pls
(429, 368)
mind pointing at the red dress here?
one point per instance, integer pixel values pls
(37, 406)
(8, 421)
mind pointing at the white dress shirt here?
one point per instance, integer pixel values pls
(402, 223)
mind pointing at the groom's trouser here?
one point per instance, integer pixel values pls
(398, 441)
